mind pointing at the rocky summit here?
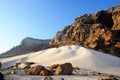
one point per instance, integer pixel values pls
(99, 31)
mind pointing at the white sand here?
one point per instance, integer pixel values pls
(77, 55)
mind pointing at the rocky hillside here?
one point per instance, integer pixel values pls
(99, 31)
(27, 45)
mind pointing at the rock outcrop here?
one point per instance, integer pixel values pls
(27, 45)
(99, 31)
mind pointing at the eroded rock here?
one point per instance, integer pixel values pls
(64, 69)
(99, 31)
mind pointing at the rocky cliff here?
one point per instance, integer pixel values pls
(27, 45)
(99, 31)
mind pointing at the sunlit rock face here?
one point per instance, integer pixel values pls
(99, 31)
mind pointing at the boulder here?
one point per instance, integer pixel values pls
(55, 66)
(45, 72)
(36, 70)
(64, 69)
(1, 76)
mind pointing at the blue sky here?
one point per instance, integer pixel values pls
(41, 19)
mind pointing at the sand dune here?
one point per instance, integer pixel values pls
(77, 55)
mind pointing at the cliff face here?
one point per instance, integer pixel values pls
(27, 45)
(99, 31)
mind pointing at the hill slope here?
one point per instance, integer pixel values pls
(27, 45)
(99, 31)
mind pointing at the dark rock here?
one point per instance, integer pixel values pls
(36, 70)
(0, 64)
(64, 69)
(1, 76)
(39, 70)
(45, 72)
(104, 18)
(53, 68)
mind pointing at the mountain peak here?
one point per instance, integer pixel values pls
(27, 45)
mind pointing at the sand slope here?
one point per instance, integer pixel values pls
(77, 55)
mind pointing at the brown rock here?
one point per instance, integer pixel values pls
(64, 69)
(16, 65)
(116, 19)
(117, 45)
(55, 66)
(27, 64)
(111, 77)
(45, 72)
(36, 70)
